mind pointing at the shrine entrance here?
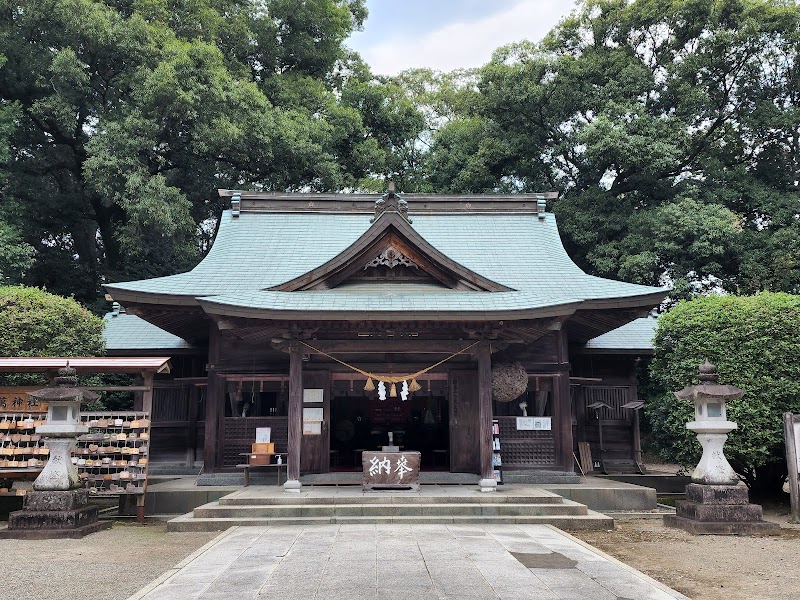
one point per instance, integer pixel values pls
(361, 421)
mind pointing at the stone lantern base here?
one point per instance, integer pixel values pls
(54, 514)
(719, 510)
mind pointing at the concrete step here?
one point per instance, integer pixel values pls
(217, 510)
(591, 520)
(249, 498)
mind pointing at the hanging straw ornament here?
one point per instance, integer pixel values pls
(414, 387)
(370, 385)
(393, 391)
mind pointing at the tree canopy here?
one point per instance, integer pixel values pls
(124, 115)
(754, 342)
(671, 130)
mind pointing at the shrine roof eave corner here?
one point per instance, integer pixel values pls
(124, 295)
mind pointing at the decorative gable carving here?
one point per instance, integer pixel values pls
(391, 257)
(391, 244)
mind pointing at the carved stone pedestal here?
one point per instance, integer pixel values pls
(54, 514)
(719, 510)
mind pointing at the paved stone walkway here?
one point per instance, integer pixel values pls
(402, 562)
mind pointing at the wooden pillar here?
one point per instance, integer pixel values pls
(138, 397)
(147, 397)
(193, 399)
(562, 409)
(487, 483)
(295, 418)
(215, 406)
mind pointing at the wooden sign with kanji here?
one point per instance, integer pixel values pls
(390, 470)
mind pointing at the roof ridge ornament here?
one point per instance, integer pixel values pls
(236, 205)
(541, 207)
(391, 201)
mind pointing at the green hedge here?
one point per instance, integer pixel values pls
(36, 323)
(755, 343)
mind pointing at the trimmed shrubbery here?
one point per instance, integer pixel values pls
(755, 343)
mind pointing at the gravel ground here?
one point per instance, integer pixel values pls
(114, 564)
(109, 565)
(708, 567)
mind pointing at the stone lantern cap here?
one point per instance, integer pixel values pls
(65, 390)
(64, 405)
(708, 390)
(709, 399)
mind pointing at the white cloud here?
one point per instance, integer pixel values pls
(466, 43)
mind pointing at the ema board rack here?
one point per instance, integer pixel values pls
(112, 458)
(22, 452)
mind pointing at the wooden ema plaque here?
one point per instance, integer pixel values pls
(390, 470)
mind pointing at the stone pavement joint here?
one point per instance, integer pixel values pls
(402, 562)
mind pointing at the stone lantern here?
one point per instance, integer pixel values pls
(716, 502)
(711, 425)
(60, 431)
(57, 508)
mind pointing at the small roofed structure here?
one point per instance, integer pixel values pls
(125, 333)
(605, 394)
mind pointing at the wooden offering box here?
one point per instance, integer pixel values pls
(390, 470)
(261, 453)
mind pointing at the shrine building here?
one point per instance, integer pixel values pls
(344, 321)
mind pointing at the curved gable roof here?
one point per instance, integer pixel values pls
(517, 249)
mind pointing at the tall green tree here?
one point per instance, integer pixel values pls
(672, 130)
(130, 112)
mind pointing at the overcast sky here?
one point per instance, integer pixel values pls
(449, 34)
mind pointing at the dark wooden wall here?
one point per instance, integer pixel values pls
(464, 425)
(315, 449)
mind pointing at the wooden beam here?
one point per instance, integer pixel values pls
(215, 408)
(295, 424)
(485, 409)
(353, 376)
(115, 388)
(383, 346)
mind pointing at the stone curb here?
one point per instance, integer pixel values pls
(172, 571)
(664, 588)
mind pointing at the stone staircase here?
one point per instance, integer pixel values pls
(268, 506)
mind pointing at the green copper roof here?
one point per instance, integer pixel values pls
(635, 337)
(128, 332)
(258, 250)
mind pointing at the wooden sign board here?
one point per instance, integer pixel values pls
(16, 400)
(791, 432)
(312, 428)
(313, 395)
(797, 444)
(390, 470)
(534, 423)
(313, 414)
